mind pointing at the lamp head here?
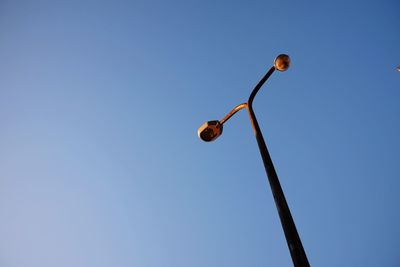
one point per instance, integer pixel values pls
(210, 131)
(282, 62)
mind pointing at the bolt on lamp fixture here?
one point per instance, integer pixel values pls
(211, 130)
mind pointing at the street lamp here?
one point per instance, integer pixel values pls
(211, 130)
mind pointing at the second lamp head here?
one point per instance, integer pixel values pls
(282, 62)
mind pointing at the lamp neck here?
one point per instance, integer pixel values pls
(249, 103)
(259, 85)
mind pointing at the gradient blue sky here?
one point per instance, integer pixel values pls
(100, 101)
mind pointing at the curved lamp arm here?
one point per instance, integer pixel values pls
(259, 85)
(232, 112)
(281, 63)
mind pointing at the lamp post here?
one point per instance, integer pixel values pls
(213, 129)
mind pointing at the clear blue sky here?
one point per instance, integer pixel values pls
(100, 101)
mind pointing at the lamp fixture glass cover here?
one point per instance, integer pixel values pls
(210, 131)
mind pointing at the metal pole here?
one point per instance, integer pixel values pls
(212, 129)
(296, 249)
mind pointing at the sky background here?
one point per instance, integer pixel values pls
(100, 102)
